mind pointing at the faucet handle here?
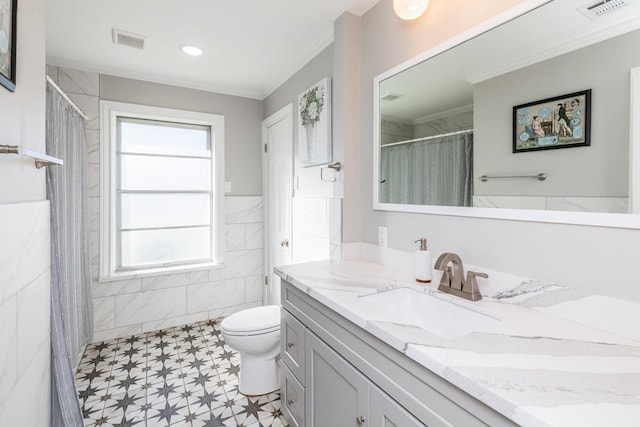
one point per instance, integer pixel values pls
(471, 285)
(445, 281)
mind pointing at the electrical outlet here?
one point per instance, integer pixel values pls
(382, 236)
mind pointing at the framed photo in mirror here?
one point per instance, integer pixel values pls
(8, 22)
(559, 122)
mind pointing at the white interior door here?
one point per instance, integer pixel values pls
(277, 134)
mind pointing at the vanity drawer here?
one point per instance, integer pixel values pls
(292, 345)
(292, 399)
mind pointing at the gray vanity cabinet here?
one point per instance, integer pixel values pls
(385, 412)
(292, 348)
(337, 394)
(335, 374)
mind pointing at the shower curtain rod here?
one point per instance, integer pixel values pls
(426, 138)
(65, 96)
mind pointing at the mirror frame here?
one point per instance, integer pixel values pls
(614, 220)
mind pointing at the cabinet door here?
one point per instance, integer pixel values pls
(385, 412)
(292, 398)
(337, 394)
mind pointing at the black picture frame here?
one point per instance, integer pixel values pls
(8, 38)
(560, 122)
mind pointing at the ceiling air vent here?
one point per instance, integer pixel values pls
(603, 7)
(390, 96)
(127, 39)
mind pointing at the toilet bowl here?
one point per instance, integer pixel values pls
(255, 334)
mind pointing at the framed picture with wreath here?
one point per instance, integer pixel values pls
(314, 124)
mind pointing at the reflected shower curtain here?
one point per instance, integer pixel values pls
(433, 172)
(71, 305)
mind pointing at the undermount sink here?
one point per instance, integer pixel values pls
(447, 319)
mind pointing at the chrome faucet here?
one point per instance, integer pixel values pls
(452, 277)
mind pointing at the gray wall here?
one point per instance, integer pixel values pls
(24, 235)
(599, 170)
(578, 256)
(242, 117)
(319, 67)
(308, 183)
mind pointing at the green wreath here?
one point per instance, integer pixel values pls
(311, 106)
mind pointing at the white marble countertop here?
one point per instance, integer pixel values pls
(556, 357)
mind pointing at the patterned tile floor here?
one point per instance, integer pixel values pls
(183, 376)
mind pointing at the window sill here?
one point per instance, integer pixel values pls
(161, 271)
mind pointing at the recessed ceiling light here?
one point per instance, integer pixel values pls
(191, 50)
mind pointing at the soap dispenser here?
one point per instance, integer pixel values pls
(422, 262)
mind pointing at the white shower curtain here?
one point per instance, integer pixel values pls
(433, 172)
(71, 304)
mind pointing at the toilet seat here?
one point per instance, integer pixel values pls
(253, 321)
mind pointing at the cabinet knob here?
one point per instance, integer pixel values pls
(360, 420)
(285, 243)
(290, 402)
(290, 344)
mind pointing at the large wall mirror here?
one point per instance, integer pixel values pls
(449, 139)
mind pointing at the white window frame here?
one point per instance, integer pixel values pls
(109, 112)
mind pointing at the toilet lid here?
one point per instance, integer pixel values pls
(255, 320)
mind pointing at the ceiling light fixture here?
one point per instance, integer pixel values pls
(410, 9)
(191, 50)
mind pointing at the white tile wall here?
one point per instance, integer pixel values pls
(552, 203)
(589, 204)
(317, 228)
(335, 228)
(25, 232)
(24, 314)
(212, 295)
(9, 353)
(310, 240)
(28, 403)
(243, 210)
(133, 306)
(33, 319)
(131, 309)
(253, 288)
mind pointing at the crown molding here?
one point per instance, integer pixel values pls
(443, 114)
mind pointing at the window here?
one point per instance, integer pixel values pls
(161, 190)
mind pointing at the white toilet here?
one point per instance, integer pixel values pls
(255, 334)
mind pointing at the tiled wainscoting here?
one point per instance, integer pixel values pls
(139, 305)
(182, 376)
(551, 203)
(24, 314)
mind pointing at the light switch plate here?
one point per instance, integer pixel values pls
(227, 187)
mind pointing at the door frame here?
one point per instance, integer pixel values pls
(634, 145)
(284, 113)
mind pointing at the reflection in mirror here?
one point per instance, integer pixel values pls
(447, 121)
